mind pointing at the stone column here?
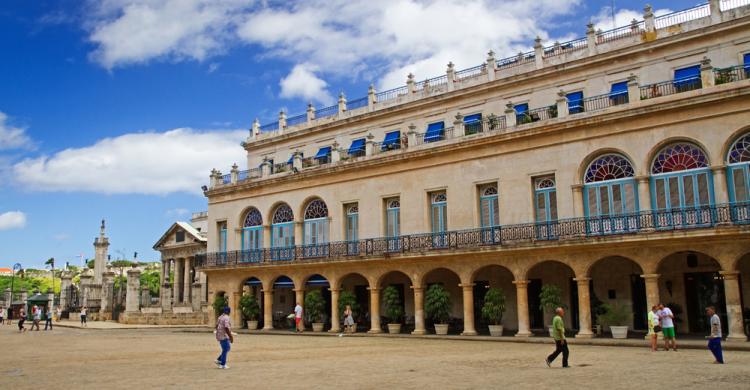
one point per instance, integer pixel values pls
(578, 200)
(411, 135)
(418, 310)
(538, 53)
(297, 160)
(562, 104)
(234, 174)
(165, 297)
(374, 310)
(510, 115)
(9, 294)
(644, 193)
(132, 298)
(66, 280)
(707, 73)
(335, 325)
(163, 273)
(468, 310)
(299, 233)
(282, 121)
(369, 145)
(342, 103)
(50, 300)
(195, 296)
(186, 280)
(591, 38)
(108, 288)
(371, 98)
(522, 301)
(450, 74)
(177, 281)
(721, 193)
(335, 152)
(458, 125)
(234, 305)
(715, 11)
(410, 85)
(267, 309)
(648, 17)
(491, 65)
(634, 90)
(23, 296)
(299, 296)
(255, 129)
(310, 113)
(652, 289)
(734, 306)
(584, 309)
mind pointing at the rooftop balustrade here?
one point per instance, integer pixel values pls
(502, 236)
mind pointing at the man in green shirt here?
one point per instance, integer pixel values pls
(558, 333)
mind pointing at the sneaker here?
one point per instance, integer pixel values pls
(224, 367)
(547, 361)
(217, 362)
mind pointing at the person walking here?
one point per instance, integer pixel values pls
(298, 318)
(653, 327)
(667, 327)
(348, 320)
(21, 320)
(714, 339)
(558, 333)
(48, 319)
(84, 311)
(224, 337)
(36, 313)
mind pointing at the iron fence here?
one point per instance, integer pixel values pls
(470, 73)
(645, 222)
(491, 123)
(731, 74)
(296, 120)
(270, 126)
(666, 88)
(537, 114)
(683, 16)
(356, 103)
(601, 102)
(391, 94)
(631, 30)
(566, 47)
(327, 111)
(517, 60)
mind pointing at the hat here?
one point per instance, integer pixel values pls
(226, 310)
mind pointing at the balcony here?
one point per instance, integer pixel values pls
(497, 237)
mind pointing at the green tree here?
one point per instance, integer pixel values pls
(150, 280)
(249, 307)
(393, 309)
(494, 306)
(220, 302)
(437, 304)
(314, 305)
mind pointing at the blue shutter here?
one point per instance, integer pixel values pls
(472, 118)
(358, 146)
(391, 140)
(521, 108)
(434, 132)
(472, 124)
(323, 153)
(687, 78)
(619, 88)
(575, 102)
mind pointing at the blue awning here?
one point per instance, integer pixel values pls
(473, 118)
(291, 159)
(575, 102)
(283, 282)
(521, 108)
(391, 138)
(323, 153)
(690, 72)
(317, 280)
(619, 88)
(434, 132)
(358, 146)
(253, 282)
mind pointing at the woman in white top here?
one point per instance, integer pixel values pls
(83, 316)
(348, 320)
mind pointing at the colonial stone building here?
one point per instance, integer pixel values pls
(614, 167)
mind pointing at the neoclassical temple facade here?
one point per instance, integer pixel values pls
(614, 167)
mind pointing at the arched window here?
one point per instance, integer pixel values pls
(738, 161)
(252, 235)
(680, 178)
(282, 232)
(609, 191)
(545, 199)
(316, 223)
(488, 205)
(352, 222)
(439, 206)
(393, 219)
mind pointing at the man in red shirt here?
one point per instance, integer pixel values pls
(224, 337)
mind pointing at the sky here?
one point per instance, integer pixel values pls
(119, 109)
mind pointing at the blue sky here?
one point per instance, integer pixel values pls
(119, 109)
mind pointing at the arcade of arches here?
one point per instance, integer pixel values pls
(686, 276)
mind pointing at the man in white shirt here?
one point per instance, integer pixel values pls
(667, 327)
(714, 339)
(298, 318)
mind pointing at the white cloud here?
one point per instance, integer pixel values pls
(13, 137)
(178, 212)
(623, 17)
(12, 220)
(136, 31)
(301, 82)
(139, 163)
(323, 39)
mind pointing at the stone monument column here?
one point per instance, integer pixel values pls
(23, 295)
(66, 280)
(85, 283)
(177, 281)
(108, 289)
(101, 247)
(8, 297)
(187, 283)
(50, 299)
(132, 299)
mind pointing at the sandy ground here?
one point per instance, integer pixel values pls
(172, 358)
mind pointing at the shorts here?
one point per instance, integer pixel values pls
(297, 320)
(668, 332)
(83, 319)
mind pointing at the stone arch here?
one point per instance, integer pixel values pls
(552, 272)
(656, 149)
(357, 284)
(451, 281)
(245, 213)
(729, 142)
(617, 280)
(380, 278)
(583, 166)
(274, 208)
(300, 213)
(494, 276)
(283, 299)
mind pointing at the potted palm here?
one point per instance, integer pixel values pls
(493, 309)
(550, 298)
(438, 307)
(393, 309)
(616, 317)
(250, 310)
(314, 306)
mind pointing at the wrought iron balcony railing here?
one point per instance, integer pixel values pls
(497, 236)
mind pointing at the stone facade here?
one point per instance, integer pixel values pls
(544, 186)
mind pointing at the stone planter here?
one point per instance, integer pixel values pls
(619, 332)
(496, 330)
(394, 328)
(441, 329)
(317, 326)
(252, 325)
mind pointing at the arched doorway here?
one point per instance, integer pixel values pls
(283, 302)
(355, 286)
(495, 276)
(450, 281)
(402, 283)
(557, 274)
(320, 283)
(254, 287)
(617, 280)
(689, 282)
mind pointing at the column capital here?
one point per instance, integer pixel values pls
(730, 275)
(269, 291)
(417, 288)
(582, 280)
(650, 276)
(298, 290)
(519, 283)
(466, 285)
(577, 187)
(336, 290)
(376, 289)
(642, 178)
(718, 169)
